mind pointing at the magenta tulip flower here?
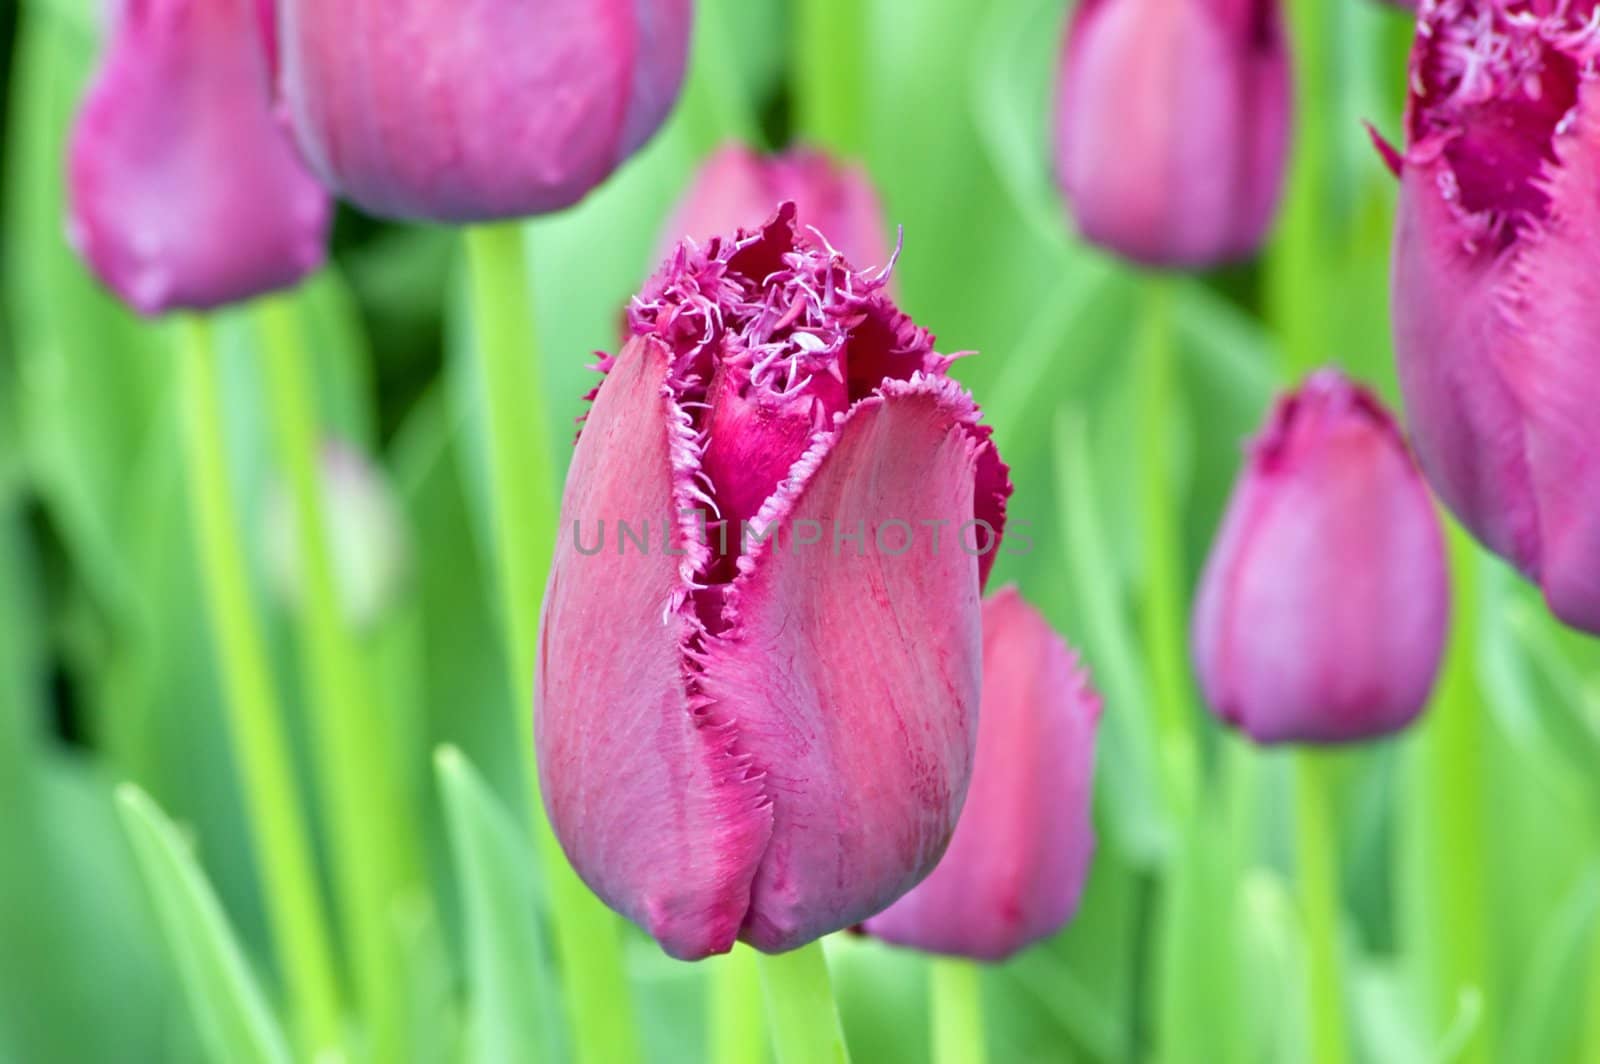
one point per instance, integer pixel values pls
(1323, 608)
(478, 109)
(761, 647)
(1016, 866)
(739, 189)
(1495, 316)
(185, 191)
(1172, 126)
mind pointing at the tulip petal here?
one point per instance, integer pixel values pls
(479, 109)
(1467, 428)
(1016, 866)
(655, 802)
(1324, 603)
(854, 675)
(1551, 363)
(185, 190)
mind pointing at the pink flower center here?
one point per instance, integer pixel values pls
(773, 338)
(1495, 84)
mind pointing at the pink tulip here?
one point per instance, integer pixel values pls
(1322, 611)
(185, 192)
(1496, 318)
(1016, 866)
(478, 109)
(1172, 126)
(762, 726)
(739, 189)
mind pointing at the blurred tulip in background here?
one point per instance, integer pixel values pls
(1323, 610)
(1017, 864)
(185, 189)
(1172, 126)
(481, 109)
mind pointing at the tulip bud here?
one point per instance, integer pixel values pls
(739, 189)
(185, 192)
(761, 640)
(1172, 126)
(1016, 866)
(479, 109)
(1323, 607)
(366, 535)
(1495, 316)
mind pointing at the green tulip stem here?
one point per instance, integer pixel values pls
(955, 1011)
(738, 1033)
(255, 714)
(1451, 812)
(1317, 874)
(373, 869)
(1160, 509)
(524, 495)
(828, 64)
(800, 1008)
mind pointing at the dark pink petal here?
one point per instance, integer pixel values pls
(654, 799)
(1323, 607)
(1494, 282)
(1017, 864)
(482, 108)
(854, 678)
(1172, 126)
(1551, 364)
(185, 192)
(1447, 327)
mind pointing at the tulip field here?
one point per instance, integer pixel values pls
(793, 531)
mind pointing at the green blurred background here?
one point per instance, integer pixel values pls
(1459, 914)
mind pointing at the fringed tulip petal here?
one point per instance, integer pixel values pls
(768, 734)
(185, 191)
(1494, 282)
(852, 667)
(1323, 608)
(1016, 867)
(658, 808)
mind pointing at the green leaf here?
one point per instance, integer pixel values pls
(234, 1017)
(513, 1014)
(1543, 1021)
(1127, 778)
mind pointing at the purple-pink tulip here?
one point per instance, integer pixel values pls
(185, 191)
(478, 109)
(1496, 297)
(1017, 864)
(1323, 608)
(760, 651)
(1172, 126)
(739, 189)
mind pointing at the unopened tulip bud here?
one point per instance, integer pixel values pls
(1323, 608)
(185, 190)
(761, 642)
(366, 537)
(1017, 864)
(479, 109)
(740, 189)
(1496, 315)
(1172, 126)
